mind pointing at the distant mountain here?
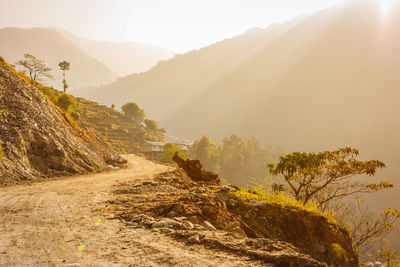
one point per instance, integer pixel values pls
(173, 83)
(52, 47)
(123, 58)
(93, 63)
(321, 82)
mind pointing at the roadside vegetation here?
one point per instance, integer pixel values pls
(281, 200)
(330, 184)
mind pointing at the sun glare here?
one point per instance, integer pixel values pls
(386, 5)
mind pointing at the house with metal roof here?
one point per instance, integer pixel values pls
(154, 149)
(150, 146)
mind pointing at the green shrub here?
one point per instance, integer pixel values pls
(65, 101)
(281, 200)
(338, 254)
(169, 152)
(49, 94)
(75, 115)
(151, 124)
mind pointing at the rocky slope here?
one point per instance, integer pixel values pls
(36, 139)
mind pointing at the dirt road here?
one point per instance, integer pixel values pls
(65, 222)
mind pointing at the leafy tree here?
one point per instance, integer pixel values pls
(255, 158)
(231, 156)
(205, 150)
(65, 101)
(278, 187)
(237, 160)
(64, 66)
(133, 112)
(327, 176)
(169, 152)
(151, 124)
(112, 106)
(35, 68)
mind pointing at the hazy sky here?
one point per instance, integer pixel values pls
(179, 25)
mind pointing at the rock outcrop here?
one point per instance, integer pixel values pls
(36, 139)
(194, 169)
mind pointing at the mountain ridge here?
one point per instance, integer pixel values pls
(50, 46)
(93, 63)
(122, 57)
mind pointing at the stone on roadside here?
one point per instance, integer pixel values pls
(256, 203)
(193, 219)
(194, 239)
(167, 223)
(165, 230)
(149, 183)
(232, 225)
(259, 243)
(226, 188)
(209, 226)
(188, 226)
(172, 213)
(180, 219)
(121, 160)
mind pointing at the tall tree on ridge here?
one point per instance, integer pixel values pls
(64, 66)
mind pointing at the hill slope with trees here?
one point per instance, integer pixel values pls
(119, 131)
(37, 140)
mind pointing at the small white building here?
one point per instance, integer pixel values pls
(154, 149)
(150, 146)
(184, 146)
